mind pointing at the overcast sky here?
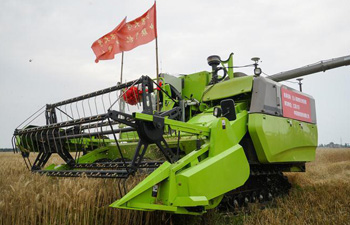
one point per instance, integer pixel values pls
(57, 35)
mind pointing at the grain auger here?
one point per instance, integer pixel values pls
(216, 138)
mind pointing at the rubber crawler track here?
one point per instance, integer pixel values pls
(261, 186)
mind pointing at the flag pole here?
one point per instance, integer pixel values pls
(121, 69)
(157, 65)
(121, 107)
(157, 69)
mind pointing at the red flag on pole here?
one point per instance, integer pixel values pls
(139, 31)
(127, 36)
(106, 46)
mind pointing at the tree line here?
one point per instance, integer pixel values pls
(334, 145)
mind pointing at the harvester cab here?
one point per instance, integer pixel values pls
(218, 137)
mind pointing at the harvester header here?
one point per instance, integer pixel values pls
(216, 141)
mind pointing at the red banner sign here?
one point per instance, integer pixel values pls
(295, 105)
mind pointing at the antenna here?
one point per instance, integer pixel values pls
(300, 84)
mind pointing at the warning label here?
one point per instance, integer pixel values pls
(295, 105)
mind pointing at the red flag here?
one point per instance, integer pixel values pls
(106, 46)
(127, 36)
(139, 31)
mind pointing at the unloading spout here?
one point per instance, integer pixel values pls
(312, 68)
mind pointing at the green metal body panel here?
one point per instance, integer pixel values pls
(195, 84)
(168, 103)
(228, 88)
(130, 135)
(278, 139)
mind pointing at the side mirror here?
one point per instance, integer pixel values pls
(228, 109)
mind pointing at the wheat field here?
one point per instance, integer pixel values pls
(319, 196)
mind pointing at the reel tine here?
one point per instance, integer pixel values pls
(14, 147)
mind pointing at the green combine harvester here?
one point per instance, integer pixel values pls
(219, 139)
